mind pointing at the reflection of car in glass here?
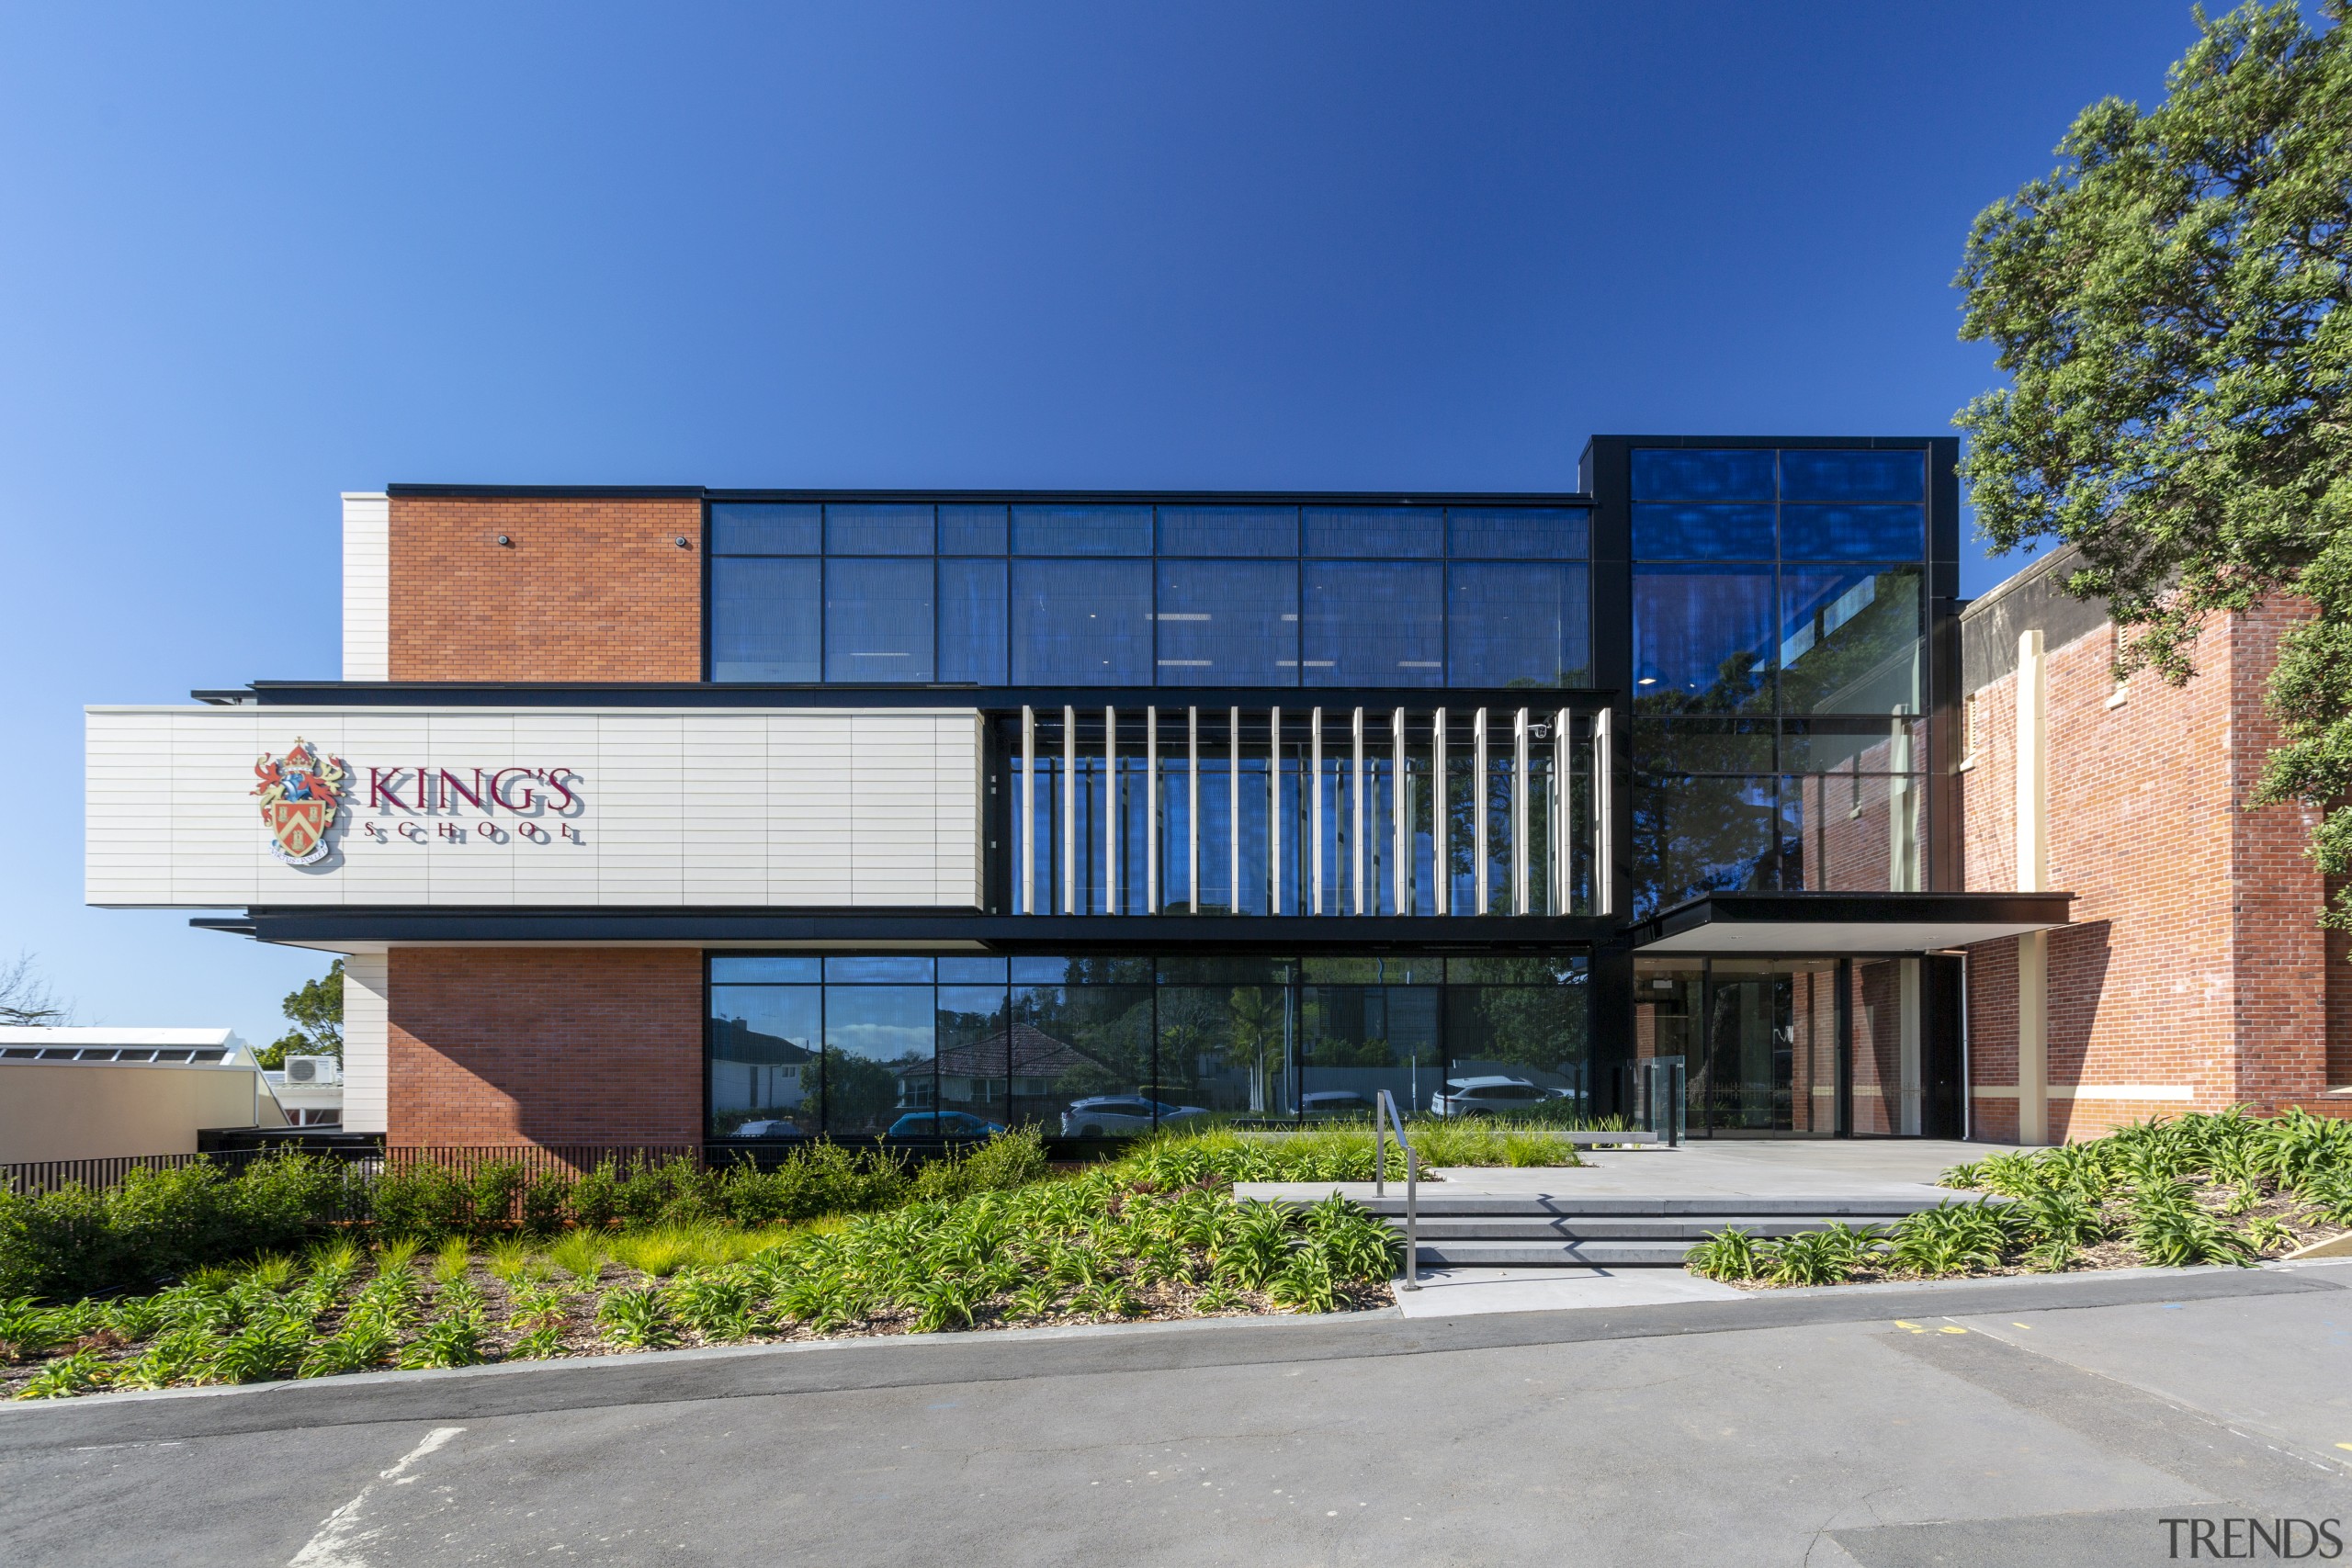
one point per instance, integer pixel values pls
(944, 1125)
(1494, 1096)
(774, 1127)
(1110, 1113)
(1334, 1103)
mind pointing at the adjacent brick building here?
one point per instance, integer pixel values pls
(2194, 973)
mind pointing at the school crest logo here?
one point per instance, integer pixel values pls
(300, 794)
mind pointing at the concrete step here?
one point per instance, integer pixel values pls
(1728, 1208)
(1587, 1227)
(1554, 1255)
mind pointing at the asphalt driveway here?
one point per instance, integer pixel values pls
(2007, 1422)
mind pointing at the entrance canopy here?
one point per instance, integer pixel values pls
(1847, 922)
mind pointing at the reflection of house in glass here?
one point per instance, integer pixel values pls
(978, 1075)
(754, 1075)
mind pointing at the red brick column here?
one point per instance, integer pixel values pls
(545, 1045)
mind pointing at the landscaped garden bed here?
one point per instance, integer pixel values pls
(2201, 1189)
(195, 1276)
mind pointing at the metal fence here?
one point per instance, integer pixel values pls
(366, 1163)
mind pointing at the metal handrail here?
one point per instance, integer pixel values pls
(1383, 1110)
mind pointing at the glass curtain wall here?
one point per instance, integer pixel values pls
(958, 1045)
(1131, 594)
(1778, 736)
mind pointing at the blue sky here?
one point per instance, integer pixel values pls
(256, 256)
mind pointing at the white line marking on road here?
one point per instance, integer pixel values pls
(336, 1544)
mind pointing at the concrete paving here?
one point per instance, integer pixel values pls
(1454, 1292)
(1768, 1168)
(1804, 1428)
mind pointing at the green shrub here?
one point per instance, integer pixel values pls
(542, 1203)
(492, 1195)
(1953, 1238)
(1729, 1254)
(84, 1372)
(636, 1318)
(420, 1200)
(454, 1341)
(1808, 1257)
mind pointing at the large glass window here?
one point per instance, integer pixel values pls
(1374, 624)
(1366, 533)
(766, 528)
(1521, 624)
(880, 1044)
(1851, 639)
(1081, 623)
(972, 643)
(1227, 624)
(902, 1045)
(878, 621)
(1838, 649)
(1081, 530)
(891, 529)
(1517, 533)
(1702, 533)
(1702, 639)
(916, 592)
(1228, 530)
(767, 619)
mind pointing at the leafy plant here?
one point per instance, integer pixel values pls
(1304, 1283)
(364, 1342)
(2180, 1235)
(636, 1318)
(1948, 1239)
(717, 1305)
(1808, 1257)
(538, 1306)
(1038, 1298)
(260, 1352)
(453, 1340)
(2266, 1233)
(512, 1260)
(84, 1371)
(451, 1260)
(540, 1343)
(1729, 1254)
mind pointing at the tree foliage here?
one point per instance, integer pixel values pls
(25, 999)
(2167, 305)
(315, 1010)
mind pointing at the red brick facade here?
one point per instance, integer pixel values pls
(584, 590)
(545, 1045)
(2195, 958)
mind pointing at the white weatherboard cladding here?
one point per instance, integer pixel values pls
(367, 587)
(677, 807)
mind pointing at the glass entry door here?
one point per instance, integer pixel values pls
(1759, 1039)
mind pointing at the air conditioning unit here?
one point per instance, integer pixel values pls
(313, 1069)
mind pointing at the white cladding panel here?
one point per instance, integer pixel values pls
(367, 1042)
(669, 807)
(367, 587)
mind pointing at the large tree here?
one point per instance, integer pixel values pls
(315, 1010)
(2169, 306)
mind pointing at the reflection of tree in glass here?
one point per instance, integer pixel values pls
(858, 1092)
(1109, 1026)
(1694, 836)
(1259, 1041)
(1866, 662)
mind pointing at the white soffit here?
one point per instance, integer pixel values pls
(1838, 936)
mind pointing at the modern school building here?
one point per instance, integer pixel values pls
(672, 816)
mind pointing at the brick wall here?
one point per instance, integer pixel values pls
(545, 1045)
(588, 590)
(2194, 958)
